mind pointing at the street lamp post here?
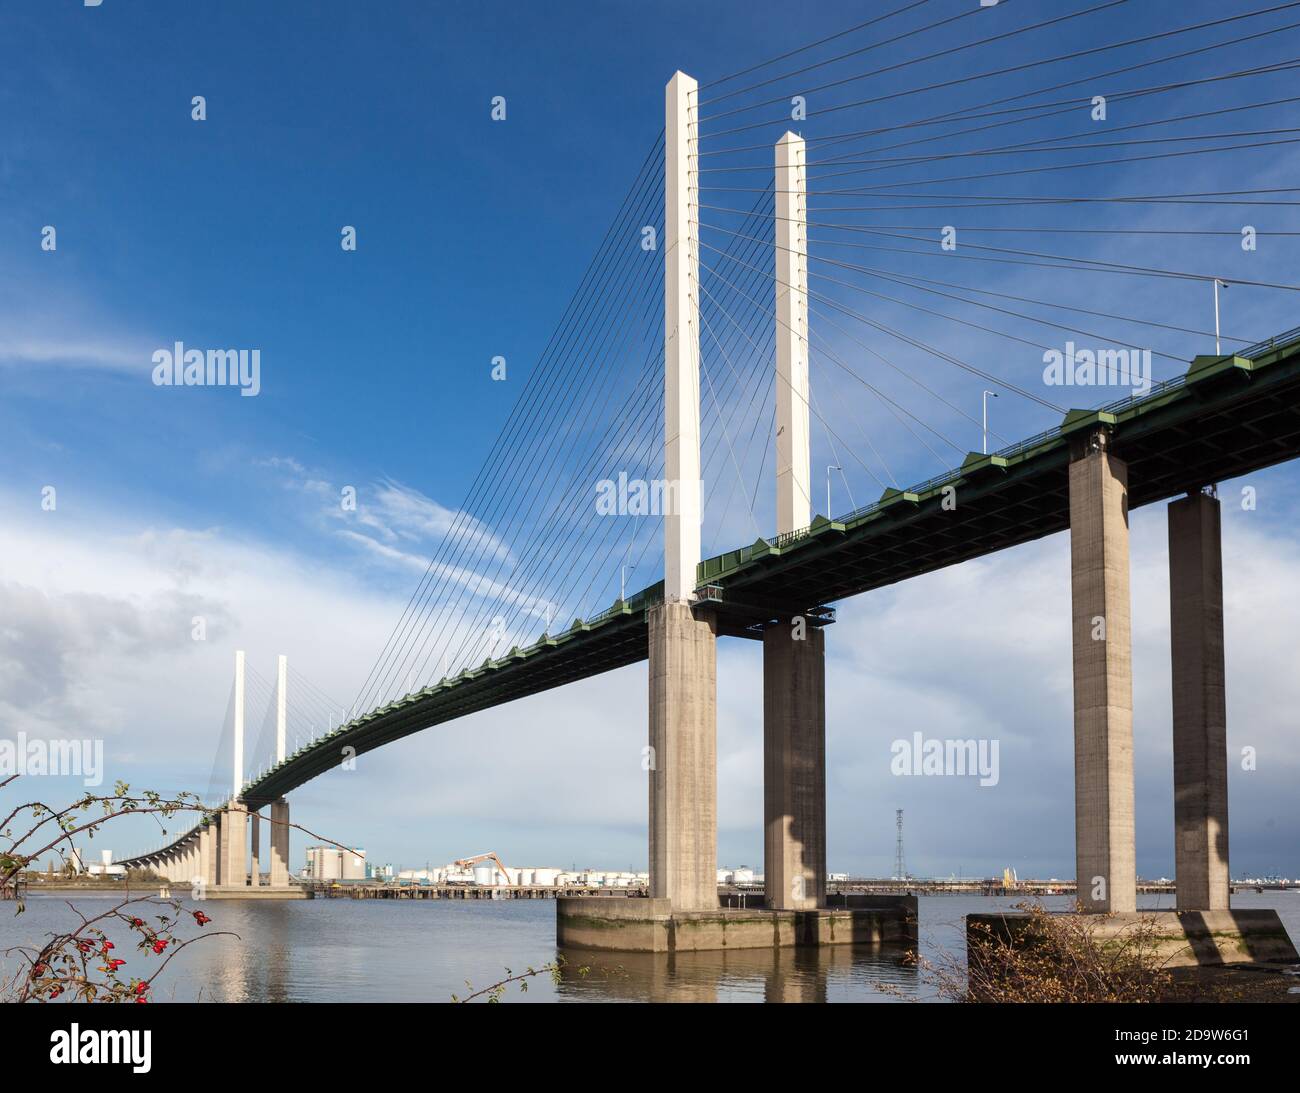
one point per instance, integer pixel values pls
(1218, 349)
(829, 468)
(985, 400)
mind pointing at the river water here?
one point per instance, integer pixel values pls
(336, 950)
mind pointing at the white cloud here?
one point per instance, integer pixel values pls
(16, 350)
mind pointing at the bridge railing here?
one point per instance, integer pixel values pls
(1278, 341)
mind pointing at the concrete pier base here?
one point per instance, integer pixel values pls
(653, 926)
(1182, 938)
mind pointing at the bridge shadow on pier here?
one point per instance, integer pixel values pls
(798, 974)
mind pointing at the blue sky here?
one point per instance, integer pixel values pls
(472, 236)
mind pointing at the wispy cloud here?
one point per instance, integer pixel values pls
(473, 580)
(409, 525)
(72, 352)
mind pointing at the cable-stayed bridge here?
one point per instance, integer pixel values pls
(722, 348)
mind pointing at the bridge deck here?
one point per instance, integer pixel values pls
(1228, 416)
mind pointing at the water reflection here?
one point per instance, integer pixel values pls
(804, 974)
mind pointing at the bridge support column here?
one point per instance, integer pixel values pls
(234, 845)
(683, 758)
(1199, 704)
(794, 767)
(794, 658)
(255, 838)
(1103, 679)
(209, 853)
(280, 844)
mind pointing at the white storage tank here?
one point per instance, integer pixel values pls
(524, 878)
(485, 873)
(352, 864)
(547, 878)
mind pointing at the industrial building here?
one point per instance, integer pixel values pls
(105, 867)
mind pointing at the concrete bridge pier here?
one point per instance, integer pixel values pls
(219, 852)
(683, 758)
(794, 766)
(1203, 930)
(209, 852)
(255, 835)
(1103, 677)
(234, 845)
(1199, 703)
(279, 840)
